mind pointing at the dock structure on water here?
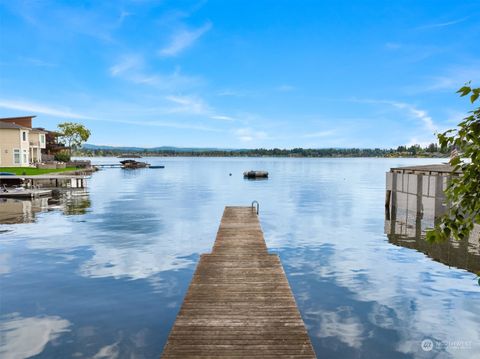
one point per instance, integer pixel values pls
(443, 169)
(425, 184)
(239, 303)
(111, 165)
(46, 180)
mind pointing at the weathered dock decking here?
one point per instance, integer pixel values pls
(239, 303)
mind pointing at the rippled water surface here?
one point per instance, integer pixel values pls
(103, 274)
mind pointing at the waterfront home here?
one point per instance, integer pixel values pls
(20, 144)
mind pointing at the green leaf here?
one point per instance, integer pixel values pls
(465, 90)
(474, 97)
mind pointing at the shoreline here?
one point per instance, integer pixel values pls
(252, 156)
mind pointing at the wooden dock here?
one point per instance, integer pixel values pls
(239, 303)
(112, 165)
(438, 169)
(53, 180)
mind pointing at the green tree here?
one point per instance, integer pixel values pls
(432, 148)
(72, 134)
(463, 191)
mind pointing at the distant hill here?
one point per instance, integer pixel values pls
(91, 147)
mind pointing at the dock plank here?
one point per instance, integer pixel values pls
(239, 303)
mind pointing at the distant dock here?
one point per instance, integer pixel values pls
(111, 165)
(239, 303)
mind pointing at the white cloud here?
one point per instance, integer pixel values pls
(249, 135)
(428, 126)
(194, 105)
(34, 108)
(449, 80)
(419, 114)
(189, 104)
(222, 117)
(230, 93)
(132, 68)
(39, 108)
(111, 351)
(27, 337)
(342, 325)
(443, 24)
(127, 63)
(183, 39)
(172, 124)
(4, 263)
(320, 134)
(38, 62)
(413, 111)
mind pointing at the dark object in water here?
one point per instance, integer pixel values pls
(157, 167)
(255, 174)
(132, 164)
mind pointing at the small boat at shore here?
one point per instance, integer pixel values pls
(157, 167)
(255, 174)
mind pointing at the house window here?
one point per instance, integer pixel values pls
(16, 157)
(24, 136)
(25, 156)
(42, 139)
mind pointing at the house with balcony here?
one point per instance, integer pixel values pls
(20, 144)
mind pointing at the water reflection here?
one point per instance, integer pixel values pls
(117, 271)
(71, 202)
(417, 201)
(27, 337)
(21, 211)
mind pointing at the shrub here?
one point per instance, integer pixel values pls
(62, 157)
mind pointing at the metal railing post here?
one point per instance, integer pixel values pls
(258, 205)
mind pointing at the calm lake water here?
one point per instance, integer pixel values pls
(102, 274)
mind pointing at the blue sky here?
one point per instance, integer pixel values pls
(241, 74)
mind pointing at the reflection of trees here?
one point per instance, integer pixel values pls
(77, 206)
(72, 202)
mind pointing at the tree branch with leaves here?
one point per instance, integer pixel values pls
(72, 135)
(463, 191)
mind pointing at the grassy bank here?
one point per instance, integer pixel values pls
(28, 171)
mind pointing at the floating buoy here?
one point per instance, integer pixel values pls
(255, 174)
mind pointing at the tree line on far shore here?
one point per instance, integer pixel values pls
(432, 150)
